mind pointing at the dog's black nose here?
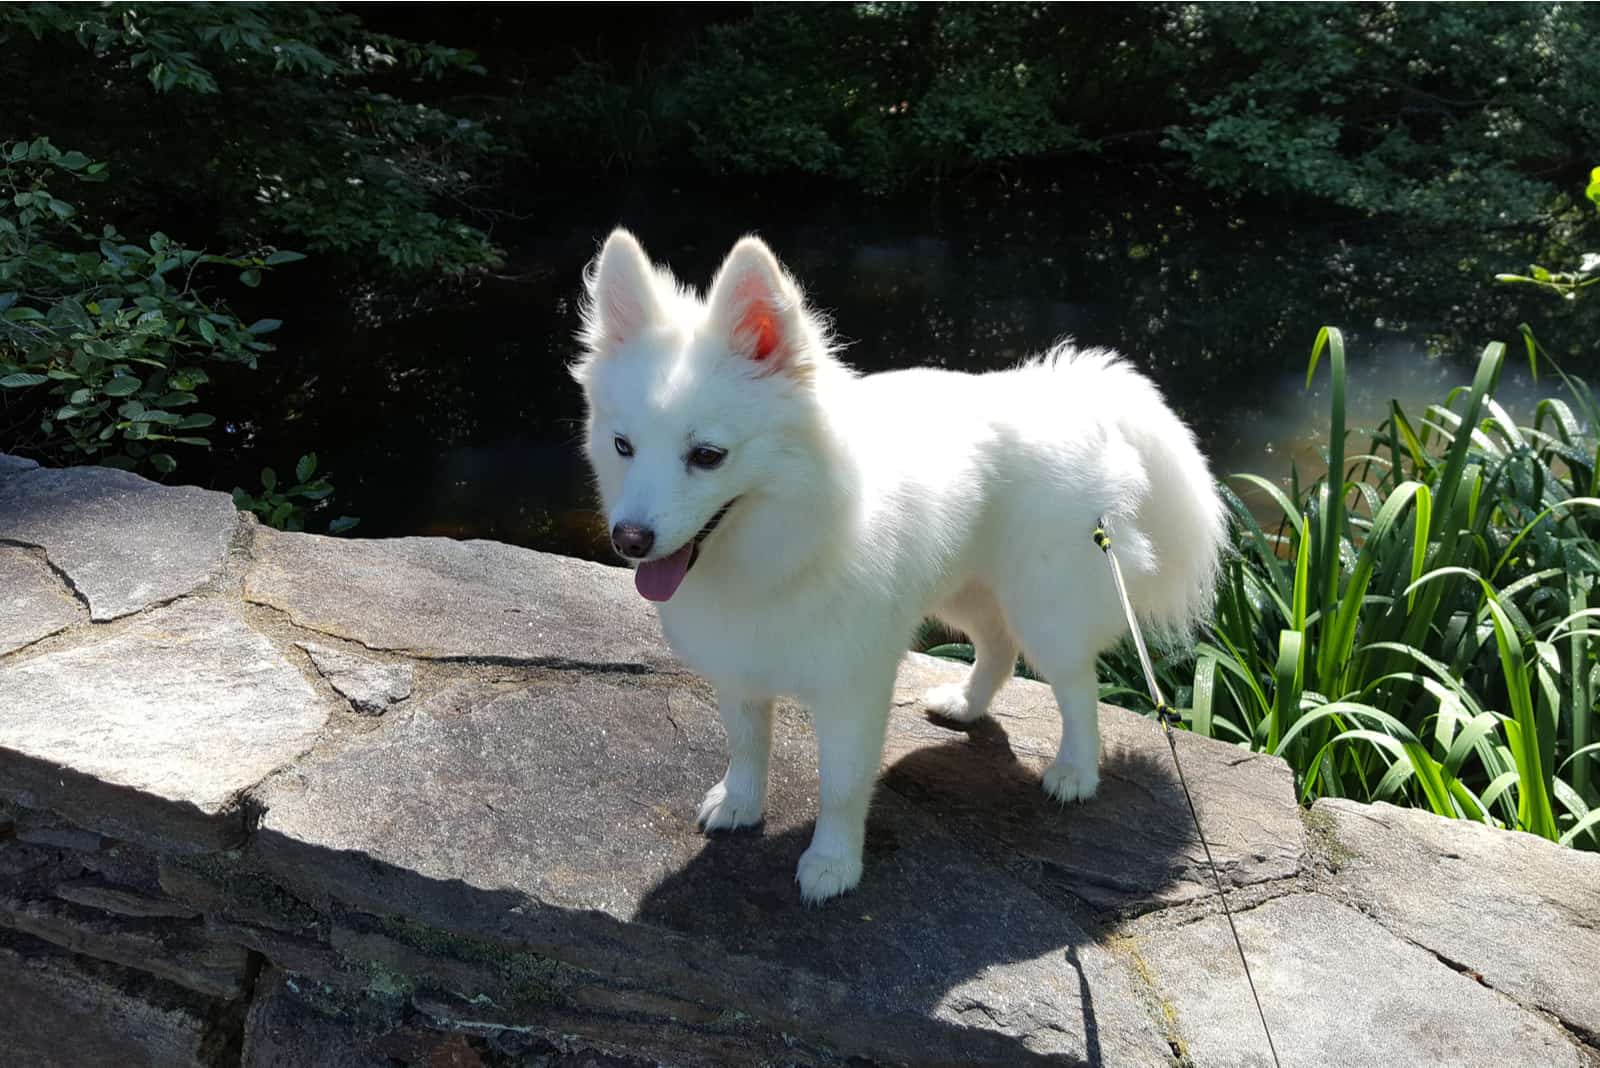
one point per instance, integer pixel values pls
(632, 540)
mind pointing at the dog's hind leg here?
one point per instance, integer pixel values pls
(1074, 775)
(737, 801)
(975, 611)
(1060, 636)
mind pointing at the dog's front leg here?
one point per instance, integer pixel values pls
(850, 729)
(738, 800)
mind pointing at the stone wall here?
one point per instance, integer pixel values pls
(278, 799)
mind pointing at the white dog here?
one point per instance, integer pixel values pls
(795, 521)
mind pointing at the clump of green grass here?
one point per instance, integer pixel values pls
(1417, 629)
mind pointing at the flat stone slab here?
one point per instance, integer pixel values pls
(434, 597)
(560, 816)
(124, 542)
(370, 687)
(33, 604)
(153, 734)
(1521, 912)
(62, 1010)
(1338, 989)
(1133, 847)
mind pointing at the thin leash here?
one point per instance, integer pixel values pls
(1168, 717)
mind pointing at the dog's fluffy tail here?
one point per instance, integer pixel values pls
(1175, 529)
(1183, 517)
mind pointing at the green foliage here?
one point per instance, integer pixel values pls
(286, 507)
(881, 93)
(1448, 115)
(1418, 627)
(256, 123)
(102, 339)
(1443, 116)
(1565, 284)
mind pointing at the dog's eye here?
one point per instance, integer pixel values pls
(624, 447)
(705, 457)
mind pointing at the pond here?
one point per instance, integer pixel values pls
(454, 416)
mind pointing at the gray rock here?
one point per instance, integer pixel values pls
(457, 599)
(122, 902)
(33, 604)
(14, 465)
(125, 543)
(62, 1011)
(1337, 989)
(60, 837)
(370, 686)
(560, 817)
(177, 951)
(1131, 848)
(1521, 912)
(154, 734)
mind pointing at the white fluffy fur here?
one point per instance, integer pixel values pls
(867, 503)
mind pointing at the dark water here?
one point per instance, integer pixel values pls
(454, 415)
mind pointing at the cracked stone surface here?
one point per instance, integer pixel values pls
(370, 686)
(207, 858)
(124, 543)
(153, 734)
(1134, 846)
(33, 604)
(1522, 912)
(589, 831)
(434, 597)
(1337, 988)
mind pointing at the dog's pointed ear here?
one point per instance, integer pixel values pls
(758, 309)
(622, 294)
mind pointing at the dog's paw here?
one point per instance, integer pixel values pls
(950, 702)
(825, 875)
(1064, 782)
(722, 810)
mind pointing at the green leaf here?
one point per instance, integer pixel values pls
(22, 379)
(121, 386)
(206, 330)
(306, 467)
(196, 421)
(283, 256)
(269, 479)
(251, 278)
(1593, 192)
(343, 523)
(163, 463)
(264, 326)
(74, 160)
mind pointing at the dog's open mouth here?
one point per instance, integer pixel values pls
(658, 580)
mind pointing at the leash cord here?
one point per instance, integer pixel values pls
(1168, 717)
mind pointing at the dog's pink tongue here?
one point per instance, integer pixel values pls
(658, 580)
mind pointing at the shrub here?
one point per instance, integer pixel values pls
(1417, 627)
(103, 340)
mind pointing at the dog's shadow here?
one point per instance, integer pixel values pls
(966, 864)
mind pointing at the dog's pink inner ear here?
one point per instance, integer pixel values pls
(759, 322)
